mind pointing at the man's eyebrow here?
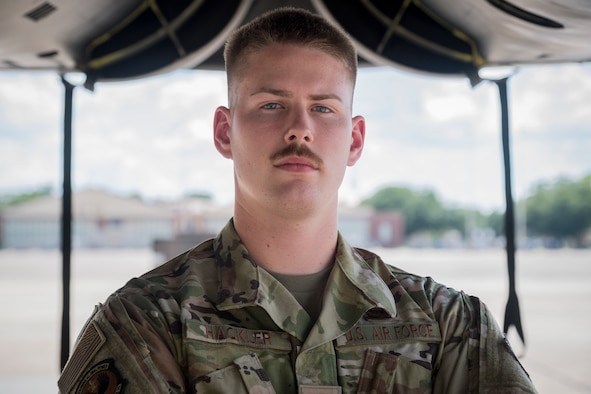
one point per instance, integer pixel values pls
(320, 97)
(286, 93)
(275, 92)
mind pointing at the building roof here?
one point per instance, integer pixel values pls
(88, 205)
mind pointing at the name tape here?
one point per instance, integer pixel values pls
(405, 332)
(238, 335)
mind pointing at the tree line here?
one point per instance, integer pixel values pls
(10, 199)
(559, 210)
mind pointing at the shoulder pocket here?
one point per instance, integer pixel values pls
(389, 373)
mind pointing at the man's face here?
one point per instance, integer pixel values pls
(289, 130)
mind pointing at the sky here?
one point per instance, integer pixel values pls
(153, 136)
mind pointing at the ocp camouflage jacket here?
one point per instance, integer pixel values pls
(211, 321)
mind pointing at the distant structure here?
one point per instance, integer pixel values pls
(104, 220)
(197, 220)
(387, 228)
(100, 220)
(362, 226)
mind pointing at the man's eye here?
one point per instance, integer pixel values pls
(321, 108)
(272, 106)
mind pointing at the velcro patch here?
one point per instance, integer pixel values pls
(390, 333)
(320, 389)
(90, 342)
(222, 334)
(102, 378)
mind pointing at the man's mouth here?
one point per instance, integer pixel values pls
(296, 157)
(296, 163)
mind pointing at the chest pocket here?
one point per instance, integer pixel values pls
(388, 357)
(228, 359)
(245, 375)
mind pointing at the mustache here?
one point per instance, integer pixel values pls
(297, 150)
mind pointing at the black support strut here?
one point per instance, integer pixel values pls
(512, 314)
(66, 225)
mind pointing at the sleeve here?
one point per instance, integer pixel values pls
(121, 351)
(500, 369)
(475, 357)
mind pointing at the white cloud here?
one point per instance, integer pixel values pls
(448, 102)
(37, 97)
(549, 99)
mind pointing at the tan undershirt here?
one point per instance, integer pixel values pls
(308, 290)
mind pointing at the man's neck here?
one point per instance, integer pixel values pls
(286, 245)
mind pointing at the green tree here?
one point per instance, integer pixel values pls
(199, 194)
(18, 198)
(421, 209)
(561, 209)
(496, 221)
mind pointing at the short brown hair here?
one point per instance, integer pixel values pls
(288, 25)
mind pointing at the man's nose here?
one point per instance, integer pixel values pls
(300, 129)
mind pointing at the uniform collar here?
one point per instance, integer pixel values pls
(354, 291)
(238, 273)
(353, 287)
(359, 273)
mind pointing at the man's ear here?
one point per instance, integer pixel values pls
(357, 140)
(221, 130)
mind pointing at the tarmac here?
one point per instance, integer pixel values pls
(553, 288)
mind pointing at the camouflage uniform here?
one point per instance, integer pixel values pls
(211, 321)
